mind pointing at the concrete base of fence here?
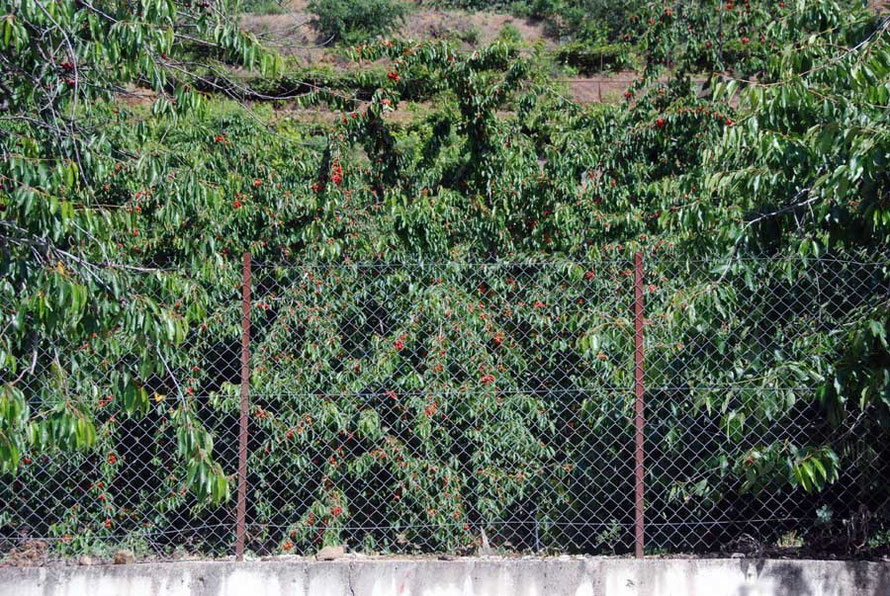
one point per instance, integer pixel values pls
(461, 577)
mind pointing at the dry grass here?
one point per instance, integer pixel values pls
(292, 34)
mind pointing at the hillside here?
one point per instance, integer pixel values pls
(290, 31)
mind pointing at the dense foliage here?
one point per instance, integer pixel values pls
(356, 20)
(455, 382)
(67, 213)
(697, 37)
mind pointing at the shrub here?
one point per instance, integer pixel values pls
(356, 20)
(469, 35)
(262, 7)
(592, 18)
(510, 34)
(588, 59)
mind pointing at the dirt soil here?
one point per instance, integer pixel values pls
(292, 34)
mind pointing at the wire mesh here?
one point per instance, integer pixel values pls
(739, 356)
(416, 408)
(458, 407)
(164, 365)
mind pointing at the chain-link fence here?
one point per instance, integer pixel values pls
(453, 407)
(156, 366)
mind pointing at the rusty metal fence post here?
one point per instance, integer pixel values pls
(639, 420)
(241, 510)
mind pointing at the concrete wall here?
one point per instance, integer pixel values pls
(461, 577)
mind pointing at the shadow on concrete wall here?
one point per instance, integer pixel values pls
(865, 575)
(858, 578)
(791, 581)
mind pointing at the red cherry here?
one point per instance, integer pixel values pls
(337, 173)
